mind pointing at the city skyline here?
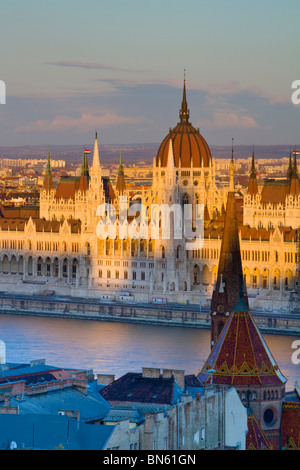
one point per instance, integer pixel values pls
(71, 69)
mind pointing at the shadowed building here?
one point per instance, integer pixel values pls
(230, 272)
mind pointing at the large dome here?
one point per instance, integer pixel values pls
(188, 144)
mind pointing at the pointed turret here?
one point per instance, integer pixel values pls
(230, 272)
(96, 173)
(290, 168)
(252, 186)
(84, 177)
(48, 181)
(121, 177)
(170, 162)
(295, 185)
(96, 159)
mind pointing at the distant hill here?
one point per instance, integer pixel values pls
(135, 153)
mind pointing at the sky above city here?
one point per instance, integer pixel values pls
(72, 68)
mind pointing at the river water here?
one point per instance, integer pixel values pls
(117, 348)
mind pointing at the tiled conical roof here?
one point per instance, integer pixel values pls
(256, 438)
(241, 355)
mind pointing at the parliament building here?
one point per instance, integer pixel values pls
(55, 246)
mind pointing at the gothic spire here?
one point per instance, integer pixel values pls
(184, 112)
(170, 162)
(253, 170)
(48, 166)
(295, 169)
(121, 177)
(290, 168)
(84, 165)
(252, 186)
(84, 178)
(96, 160)
(295, 183)
(48, 182)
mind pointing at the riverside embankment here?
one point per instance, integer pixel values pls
(190, 316)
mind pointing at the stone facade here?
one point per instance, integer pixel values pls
(216, 420)
(60, 247)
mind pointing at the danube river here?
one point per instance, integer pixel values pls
(117, 348)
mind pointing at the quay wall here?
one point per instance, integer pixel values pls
(92, 309)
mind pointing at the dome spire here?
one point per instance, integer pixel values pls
(184, 112)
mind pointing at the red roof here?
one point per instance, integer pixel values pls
(133, 387)
(67, 187)
(275, 192)
(290, 421)
(240, 355)
(256, 439)
(189, 146)
(12, 224)
(252, 186)
(19, 212)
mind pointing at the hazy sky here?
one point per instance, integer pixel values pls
(73, 67)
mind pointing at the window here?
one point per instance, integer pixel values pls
(268, 416)
(117, 275)
(143, 276)
(125, 274)
(134, 275)
(108, 274)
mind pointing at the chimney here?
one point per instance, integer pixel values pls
(37, 362)
(150, 372)
(167, 373)
(179, 377)
(105, 379)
